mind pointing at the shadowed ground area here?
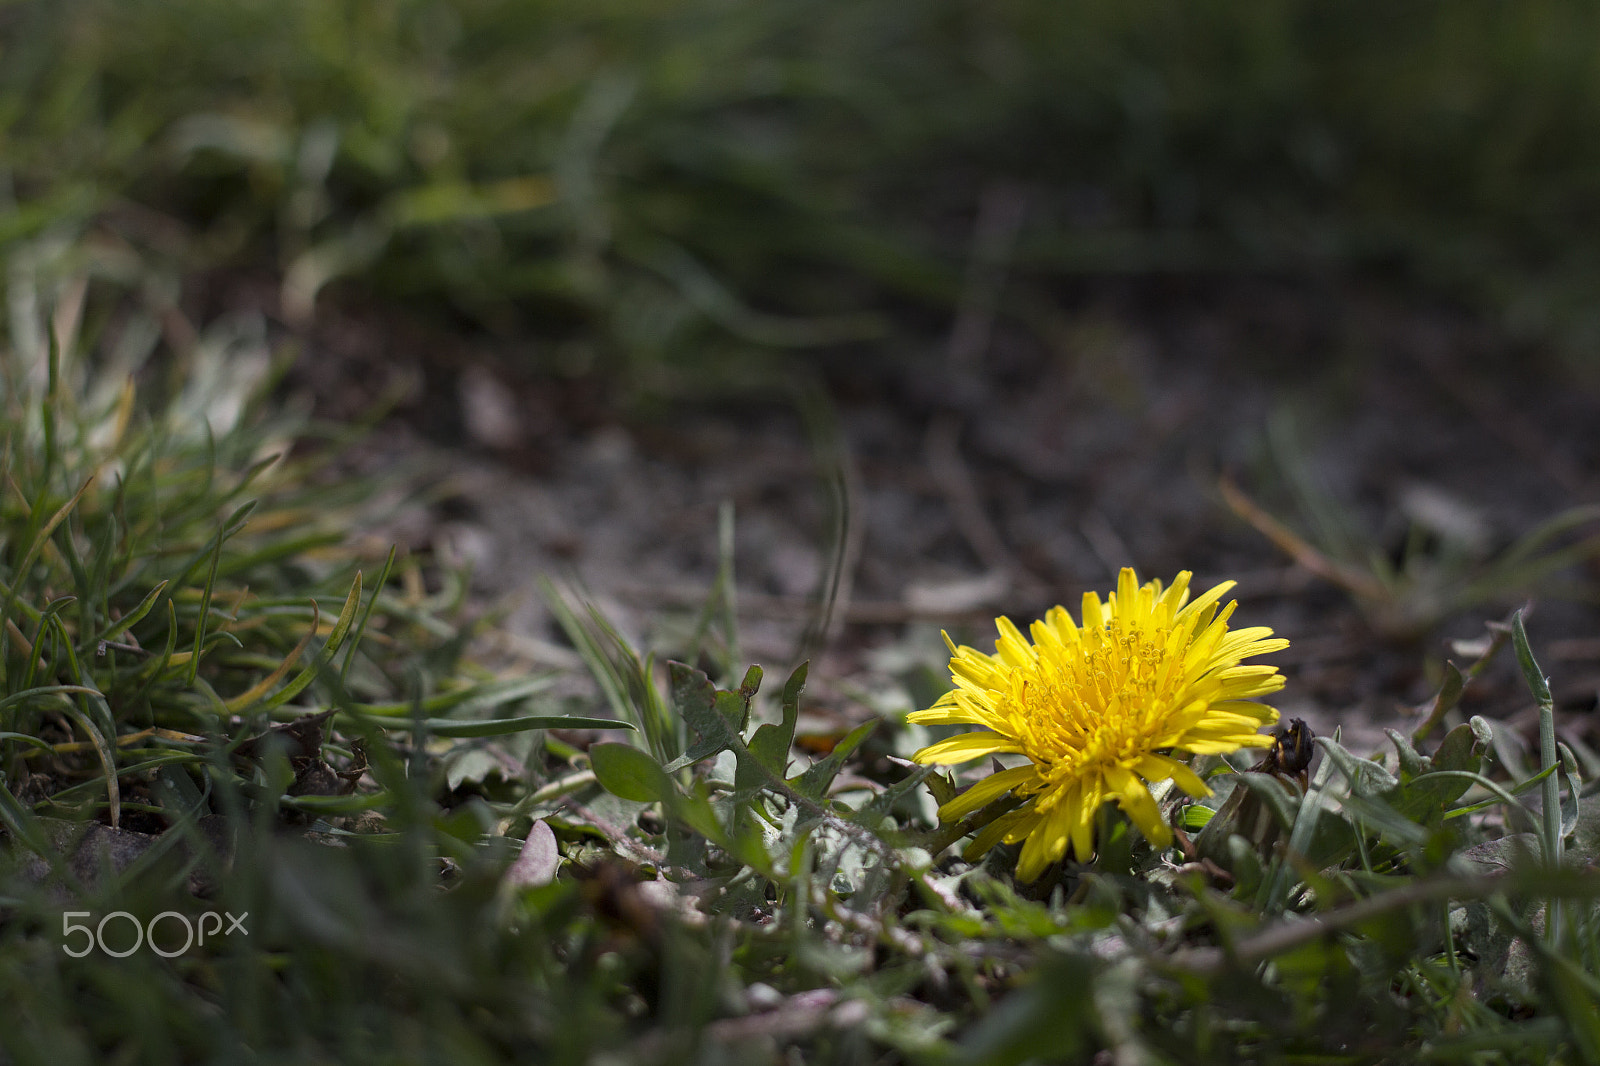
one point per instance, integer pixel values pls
(1404, 453)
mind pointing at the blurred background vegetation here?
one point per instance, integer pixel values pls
(676, 195)
(671, 183)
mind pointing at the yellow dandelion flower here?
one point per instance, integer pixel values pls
(1097, 709)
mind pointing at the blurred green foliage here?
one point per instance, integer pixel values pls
(644, 180)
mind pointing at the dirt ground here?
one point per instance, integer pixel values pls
(1002, 470)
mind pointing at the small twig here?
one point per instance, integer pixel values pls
(1301, 551)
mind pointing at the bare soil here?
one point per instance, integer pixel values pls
(1014, 475)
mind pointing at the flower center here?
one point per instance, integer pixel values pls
(1102, 701)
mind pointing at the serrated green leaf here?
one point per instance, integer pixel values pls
(1460, 753)
(695, 697)
(771, 749)
(771, 743)
(792, 689)
(815, 781)
(734, 709)
(881, 804)
(943, 787)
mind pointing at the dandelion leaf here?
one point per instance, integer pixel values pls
(815, 781)
(714, 720)
(1412, 763)
(1428, 785)
(771, 742)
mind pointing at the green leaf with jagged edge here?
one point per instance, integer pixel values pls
(771, 742)
(815, 781)
(943, 787)
(694, 809)
(697, 702)
(749, 773)
(879, 807)
(734, 709)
